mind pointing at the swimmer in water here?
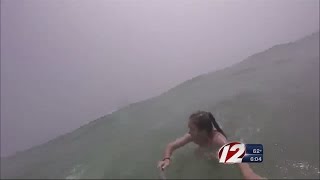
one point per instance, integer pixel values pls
(205, 132)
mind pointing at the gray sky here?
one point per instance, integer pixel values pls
(67, 62)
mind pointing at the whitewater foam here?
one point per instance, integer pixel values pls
(76, 172)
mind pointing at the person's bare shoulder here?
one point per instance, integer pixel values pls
(219, 139)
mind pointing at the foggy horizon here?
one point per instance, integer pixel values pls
(66, 63)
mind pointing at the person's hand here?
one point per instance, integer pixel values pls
(163, 164)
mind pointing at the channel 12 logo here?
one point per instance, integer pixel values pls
(236, 152)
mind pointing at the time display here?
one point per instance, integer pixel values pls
(252, 158)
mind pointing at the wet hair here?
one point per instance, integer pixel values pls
(205, 121)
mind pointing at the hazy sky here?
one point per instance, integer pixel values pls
(67, 62)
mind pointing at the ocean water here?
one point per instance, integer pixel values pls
(271, 98)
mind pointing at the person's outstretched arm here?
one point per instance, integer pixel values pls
(245, 169)
(172, 146)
